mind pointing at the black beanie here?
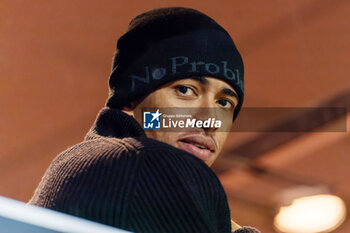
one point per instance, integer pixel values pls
(168, 44)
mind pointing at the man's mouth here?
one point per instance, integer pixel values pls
(201, 147)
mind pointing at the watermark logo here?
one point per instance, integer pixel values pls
(151, 120)
(176, 119)
(253, 119)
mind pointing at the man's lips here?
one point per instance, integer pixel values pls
(200, 146)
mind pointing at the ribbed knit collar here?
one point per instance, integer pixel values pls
(114, 123)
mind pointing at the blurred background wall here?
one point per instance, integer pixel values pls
(55, 59)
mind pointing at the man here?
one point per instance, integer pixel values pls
(155, 181)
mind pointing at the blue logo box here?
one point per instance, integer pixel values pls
(151, 120)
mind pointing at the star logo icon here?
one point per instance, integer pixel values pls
(156, 115)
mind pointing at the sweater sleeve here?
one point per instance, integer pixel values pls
(150, 188)
(92, 180)
(246, 229)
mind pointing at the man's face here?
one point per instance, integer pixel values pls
(195, 93)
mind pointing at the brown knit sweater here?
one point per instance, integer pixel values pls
(120, 177)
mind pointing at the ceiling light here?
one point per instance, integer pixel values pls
(310, 212)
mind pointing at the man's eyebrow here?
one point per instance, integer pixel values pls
(205, 81)
(229, 92)
(200, 79)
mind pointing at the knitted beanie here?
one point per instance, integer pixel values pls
(168, 44)
(140, 185)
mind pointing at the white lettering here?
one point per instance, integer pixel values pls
(190, 123)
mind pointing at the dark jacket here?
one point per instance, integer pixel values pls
(120, 177)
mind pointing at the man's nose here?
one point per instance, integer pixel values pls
(207, 113)
(208, 108)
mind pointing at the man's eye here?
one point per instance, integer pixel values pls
(225, 103)
(184, 90)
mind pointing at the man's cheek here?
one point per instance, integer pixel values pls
(221, 138)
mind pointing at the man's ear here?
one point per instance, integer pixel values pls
(131, 106)
(129, 109)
